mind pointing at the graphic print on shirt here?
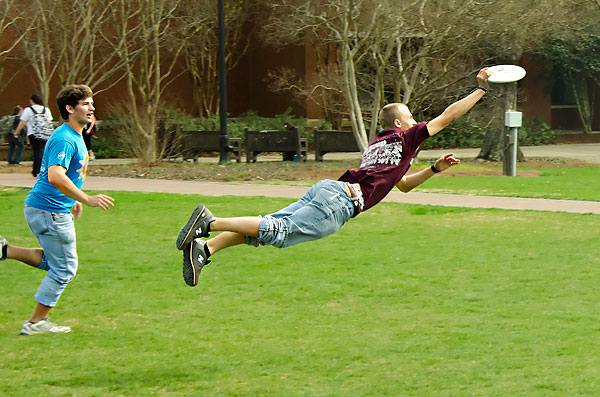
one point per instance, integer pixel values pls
(83, 170)
(382, 154)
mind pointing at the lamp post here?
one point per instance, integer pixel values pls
(223, 138)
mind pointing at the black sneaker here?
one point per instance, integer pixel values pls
(196, 227)
(194, 259)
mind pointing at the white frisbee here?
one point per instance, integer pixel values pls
(506, 73)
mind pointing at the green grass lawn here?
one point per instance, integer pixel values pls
(404, 300)
(551, 182)
(574, 183)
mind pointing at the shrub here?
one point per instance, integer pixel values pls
(462, 133)
(535, 132)
(107, 147)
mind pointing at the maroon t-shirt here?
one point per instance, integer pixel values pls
(385, 161)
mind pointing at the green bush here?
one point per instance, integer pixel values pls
(170, 120)
(462, 133)
(250, 120)
(535, 132)
(107, 147)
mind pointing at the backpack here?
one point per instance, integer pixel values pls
(40, 125)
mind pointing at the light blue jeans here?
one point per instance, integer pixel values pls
(323, 210)
(55, 231)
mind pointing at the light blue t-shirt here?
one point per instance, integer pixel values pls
(67, 149)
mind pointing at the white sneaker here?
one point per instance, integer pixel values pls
(3, 244)
(43, 327)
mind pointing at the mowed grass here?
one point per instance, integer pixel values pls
(404, 300)
(552, 182)
(566, 183)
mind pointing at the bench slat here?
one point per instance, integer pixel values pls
(334, 141)
(195, 143)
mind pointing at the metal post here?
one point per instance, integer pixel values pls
(512, 120)
(223, 138)
(514, 151)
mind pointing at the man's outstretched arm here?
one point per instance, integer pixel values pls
(459, 108)
(409, 182)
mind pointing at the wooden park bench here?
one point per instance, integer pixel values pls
(196, 143)
(334, 141)
(287, 142)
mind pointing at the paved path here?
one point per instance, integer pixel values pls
(241, 189)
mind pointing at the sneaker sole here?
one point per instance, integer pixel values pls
(189, 271)
(42, 333)
(183, 238)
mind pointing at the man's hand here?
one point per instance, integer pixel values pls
(101, 200)
(76, 209)
(459, 108)
(446, 161)
(482, 78)
(409, 182)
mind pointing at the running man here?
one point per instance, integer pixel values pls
(53, 202)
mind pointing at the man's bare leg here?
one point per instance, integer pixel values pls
(246, 225)
(39, 313)
(29, 256)
(224, 240)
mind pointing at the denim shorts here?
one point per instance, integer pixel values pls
(323, 210)
(55, 231)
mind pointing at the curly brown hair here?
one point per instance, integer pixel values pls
(71, 95)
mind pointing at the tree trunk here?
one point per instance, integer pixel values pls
(351, 90)
(149, 148)
(496, 138)
(582, 99)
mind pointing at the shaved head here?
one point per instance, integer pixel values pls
(392, 112)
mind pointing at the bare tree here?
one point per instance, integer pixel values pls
(37, 43)
(527, 28)
(8, 21)
(149, 39)
(324, 88)
(66, 40)
(348, 24)
(88, 57)
(405, 51)
(200, 50)
(417, 52)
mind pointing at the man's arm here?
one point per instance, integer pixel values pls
(21, 125)
(459, 108)
(57, 176)
(409, 182)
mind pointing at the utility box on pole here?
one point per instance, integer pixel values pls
(512, 121)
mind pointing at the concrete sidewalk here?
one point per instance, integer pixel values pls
(240, 189)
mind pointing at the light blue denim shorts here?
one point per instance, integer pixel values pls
(55, 231)
(323, 210)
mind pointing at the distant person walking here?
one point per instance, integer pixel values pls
(38, 120)
(16, 141)
(88, 132)
(53, 202)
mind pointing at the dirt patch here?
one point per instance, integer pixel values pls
(271, 171)
(578, 138)
(283, 171)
